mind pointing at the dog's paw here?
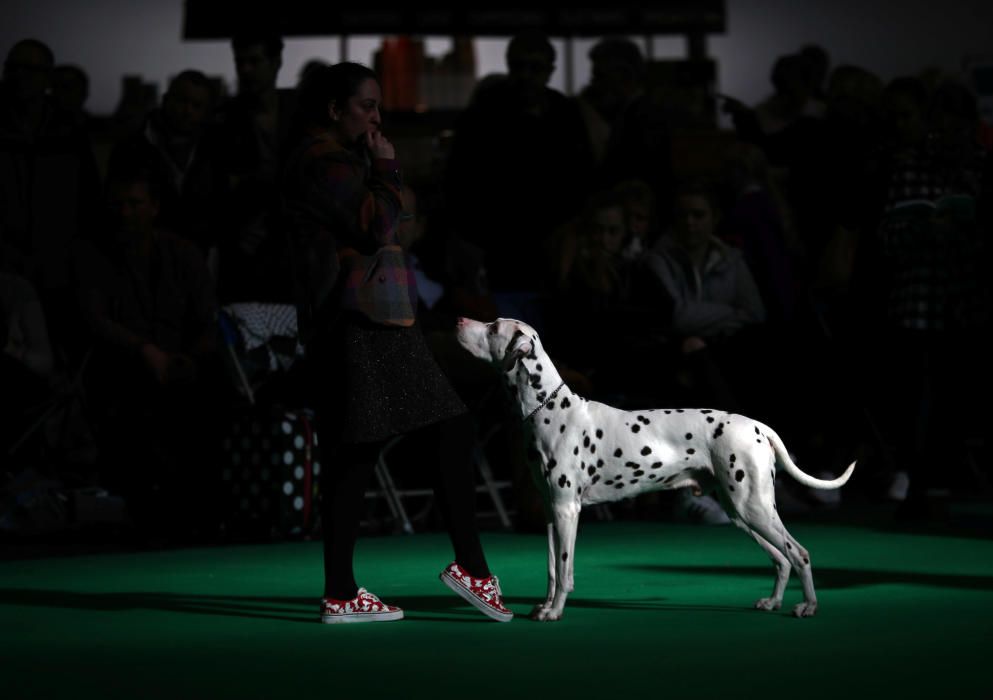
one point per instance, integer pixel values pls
(805, 609)
(768, 604)
(545, 613)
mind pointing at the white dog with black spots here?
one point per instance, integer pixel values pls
(584, 452)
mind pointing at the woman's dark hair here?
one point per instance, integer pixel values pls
(331, 84)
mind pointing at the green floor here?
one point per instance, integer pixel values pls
(661, 609)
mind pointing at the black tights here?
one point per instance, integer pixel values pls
(343, 485)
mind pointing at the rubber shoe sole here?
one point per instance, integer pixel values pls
(359, 617)
(482, 607)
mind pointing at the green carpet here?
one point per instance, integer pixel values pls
(659, 609)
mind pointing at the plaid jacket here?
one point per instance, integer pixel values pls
(337, 203)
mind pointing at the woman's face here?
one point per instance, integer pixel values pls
(360, 115)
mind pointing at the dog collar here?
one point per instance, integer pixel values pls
(545, 403)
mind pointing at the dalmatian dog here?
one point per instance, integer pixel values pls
(584, 452)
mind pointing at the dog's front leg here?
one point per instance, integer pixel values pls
(542, 609)
(562, 541)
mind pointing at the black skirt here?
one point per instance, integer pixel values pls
(378, 382)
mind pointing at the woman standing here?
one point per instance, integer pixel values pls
(374, 376)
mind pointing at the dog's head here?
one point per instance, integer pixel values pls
(503, 342)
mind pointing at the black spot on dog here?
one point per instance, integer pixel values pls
(718, 431)
(739, 475)
(789, 546)
(730, 488)
(668, 412)
(646, 450)
(609, 482)
(644, 420)
(656, 465)
(565, 556)
(679, 410)
(618, 486)
(551, 464)
(538, 367)
(541, 397)
(633, 481)
(547, 422)
(599, 433)
(599, 463)
(596, 478)
(586, 441)
(562, 481)
(733, 458)
(618, 452)
(635, 428)
(565, 403)
(550, 405)
(689, 436)
(575, 450)
(668, 478)
(632, 465)
(705, 410)
(592, 449)
(806, 560)
(590, 470)
(639, 473)
(562, 428)
(690, 451)
(710, 419)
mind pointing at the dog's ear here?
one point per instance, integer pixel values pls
(520, 346)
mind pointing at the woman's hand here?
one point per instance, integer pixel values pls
(379, 146)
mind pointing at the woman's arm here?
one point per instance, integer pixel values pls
(370, 202)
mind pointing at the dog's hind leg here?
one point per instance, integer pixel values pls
(767, 526)
(783, 567)
(782, 564)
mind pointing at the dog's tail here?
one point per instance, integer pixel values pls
(783, 459)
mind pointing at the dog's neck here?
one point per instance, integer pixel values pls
(533, 380)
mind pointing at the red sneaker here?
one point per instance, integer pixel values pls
(365, 607)
(483, 593)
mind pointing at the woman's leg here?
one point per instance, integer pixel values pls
(343, 485)
(455, 491)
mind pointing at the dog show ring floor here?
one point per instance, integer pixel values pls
(659, 609)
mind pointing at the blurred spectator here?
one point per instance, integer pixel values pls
(147, 298)
(70, 90)
(49, 184)
(194, 180)
(518, 144)
(931, 257)
(606, 314)
(639, 143)
(640, 217)
(27, 363)
(757, 222)
(254, 131)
